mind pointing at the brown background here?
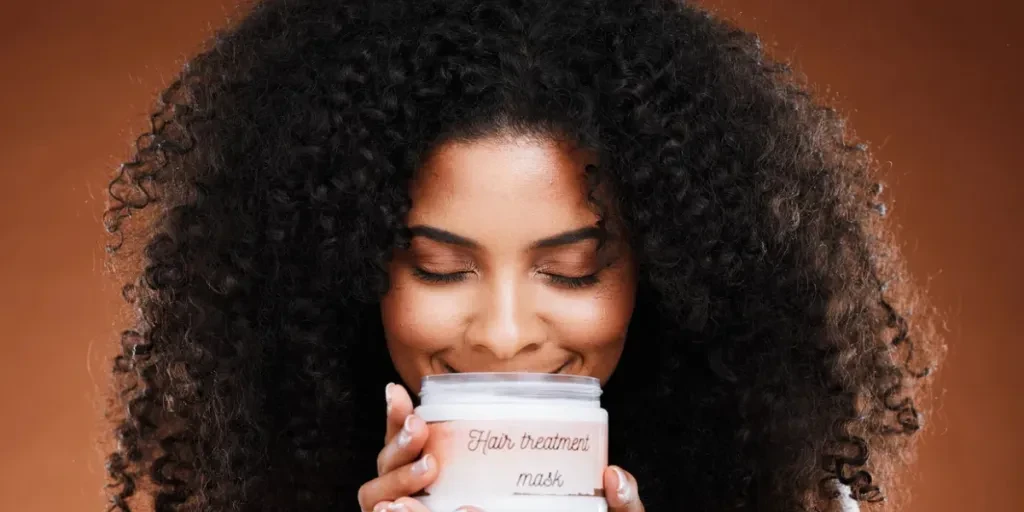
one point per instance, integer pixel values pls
(935, 87)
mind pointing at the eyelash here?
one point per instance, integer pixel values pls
(573, 282)
(431, 277)
(455, 277)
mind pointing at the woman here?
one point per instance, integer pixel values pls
(342, 194)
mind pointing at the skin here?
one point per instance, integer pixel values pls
(503, 273)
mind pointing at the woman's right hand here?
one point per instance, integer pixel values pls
(401, 471)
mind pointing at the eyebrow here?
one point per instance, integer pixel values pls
(562, 239)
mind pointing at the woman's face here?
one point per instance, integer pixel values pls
(505, 271)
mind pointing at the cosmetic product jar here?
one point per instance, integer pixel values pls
(515, 442)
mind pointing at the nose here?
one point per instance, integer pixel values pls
(506, 321)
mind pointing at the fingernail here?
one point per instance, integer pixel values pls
(623, 490)
(405, 435)
(421, 466)
(396, 506)
(387, 396)
(381, 506)
(403, 439)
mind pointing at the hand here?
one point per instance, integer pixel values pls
(621, 491)
(399, 472)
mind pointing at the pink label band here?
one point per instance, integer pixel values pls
(515, 457)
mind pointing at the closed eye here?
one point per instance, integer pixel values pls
(573, 282)
(433, 277)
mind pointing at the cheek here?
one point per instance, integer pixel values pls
(418, 318)
(593, 323)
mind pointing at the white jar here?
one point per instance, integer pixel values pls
(515, 442)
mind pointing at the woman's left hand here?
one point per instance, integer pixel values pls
(620, 491)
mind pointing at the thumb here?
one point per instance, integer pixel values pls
(621, 491)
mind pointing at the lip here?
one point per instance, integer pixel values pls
(448, 368)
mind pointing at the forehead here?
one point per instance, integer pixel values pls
(502, 181)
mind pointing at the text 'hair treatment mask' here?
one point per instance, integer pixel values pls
(515, 442)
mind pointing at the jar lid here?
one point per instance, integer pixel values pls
(491, 387)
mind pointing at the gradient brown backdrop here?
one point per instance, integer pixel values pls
(934, 87)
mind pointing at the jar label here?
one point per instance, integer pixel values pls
(515, 457)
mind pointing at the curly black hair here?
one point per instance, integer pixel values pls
(771, 352)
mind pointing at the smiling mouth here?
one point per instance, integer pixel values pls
(449, 369)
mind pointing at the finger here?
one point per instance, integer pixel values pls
(405, 446)
(403, 504)
(621, 491)
(399, 405)
(468, 509)
(404, 481)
